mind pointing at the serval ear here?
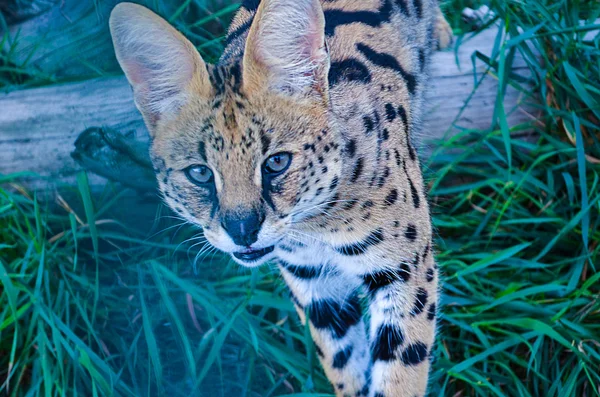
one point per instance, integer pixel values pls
(286, 50)
(162, 66)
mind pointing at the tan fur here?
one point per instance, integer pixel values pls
(354, 178)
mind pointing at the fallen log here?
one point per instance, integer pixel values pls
(39, 126)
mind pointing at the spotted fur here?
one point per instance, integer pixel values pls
(339, 86)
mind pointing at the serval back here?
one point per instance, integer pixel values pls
(296, 147)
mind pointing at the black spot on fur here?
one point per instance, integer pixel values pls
(351, 147)
(398, 157)
(411, 232)
(340, 359)
(414, 194)
(421, 59)
(418, 8)
(369, 125)
(348, 70)
(335, 18)
(364, 392)
(390, 112)
(404, 118)
(431, 312)
(385, 135)
(334, 183)
(340, 386)
(426, 252)
(375, 281)
(382, 178)
(387, 61)
(403, 7)
(309, 146)
(391, 197)
(414, 354)
(329, 314)
(303, 272)
(416, 260)
(350, 204)
(387, 340)
(430, 275)
(404, 272)
(420, 302)
(357, 171)
(411, 150)
(361, 247)
(333, 202)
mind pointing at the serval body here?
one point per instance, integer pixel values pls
(296, 147)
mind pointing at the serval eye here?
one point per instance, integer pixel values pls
(199, 174)
(277, 163)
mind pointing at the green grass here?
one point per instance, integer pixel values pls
(91, 307)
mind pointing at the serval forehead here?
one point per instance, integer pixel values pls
(226, 78)
(229, 119)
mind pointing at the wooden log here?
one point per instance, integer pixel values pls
(39, 126)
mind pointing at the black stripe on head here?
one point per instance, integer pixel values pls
(335, 18)
(350, 69)
(387, 339)
(216, 79)
(414, 354)
(267, 190)
(241, 30)
(361, 247)
(387, 61)
(251, 5)
(202, 150)
(265, 142)
(235, 74)
(340, 359)
(329, 314)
